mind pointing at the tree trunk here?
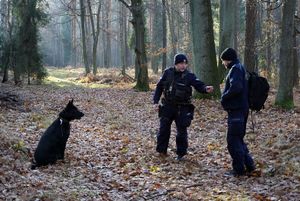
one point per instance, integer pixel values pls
(250, 49)
(137, 10)
(88, 31)
(74, 41)
(298, 44)
(284, 96)
(7, 60)
(204, 54)
(171, 17)
(107, 50)
(156, 36)
(128, 52)
(269, 41)
(95, 32)
(227, 29)
(122, 38)
(138, 22)
(187, 33)
(5, 74)
(164, 35)
(295, 60)
(5, 9)
(237, 21)
(83, 37)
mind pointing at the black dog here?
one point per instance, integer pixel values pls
(52, 144)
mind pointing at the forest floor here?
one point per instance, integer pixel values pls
(110, 154)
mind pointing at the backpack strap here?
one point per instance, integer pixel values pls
(170, 79)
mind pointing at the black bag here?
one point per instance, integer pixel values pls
(258, 91)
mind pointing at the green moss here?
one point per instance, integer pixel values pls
(285, 104)
(140, 87)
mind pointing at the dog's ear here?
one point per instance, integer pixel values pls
(70, 103)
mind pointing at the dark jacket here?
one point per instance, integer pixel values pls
(183, 78)
(235, 94)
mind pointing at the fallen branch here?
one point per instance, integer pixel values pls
(129, 77)
(125, 75)
(8, 97)
(10, 100)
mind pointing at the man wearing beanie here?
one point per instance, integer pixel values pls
(176, 86)
(235, 101)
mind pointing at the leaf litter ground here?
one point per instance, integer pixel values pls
(111, 155)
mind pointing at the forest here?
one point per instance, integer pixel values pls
(108, 56)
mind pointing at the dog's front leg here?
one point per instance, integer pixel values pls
(61, 150)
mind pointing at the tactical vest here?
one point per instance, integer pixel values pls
(176, 89)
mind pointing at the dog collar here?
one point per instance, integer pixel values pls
(61, 120)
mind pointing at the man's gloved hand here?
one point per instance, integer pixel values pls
(209, 89)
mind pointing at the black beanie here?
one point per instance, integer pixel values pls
(179, 58)
(229, 54)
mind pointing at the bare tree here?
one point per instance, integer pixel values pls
(156, 34)
(73, 27)
(122, 38)
(268, 39)
(107, 37)
(95, 32)
(171, 18)
(137, 10)
(83, 37)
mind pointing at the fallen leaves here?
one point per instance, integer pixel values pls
(111, 155)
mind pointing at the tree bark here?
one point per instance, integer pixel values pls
(250, 49)
(284, 96)
(227, 29)
(140, 45)
(128, 52)
(107, 50)
(95, 32)
(204, 54)
(83, 37)
(137, 10)
(237, 22)
(156, 36)
(171, 17)
(74, 41)
(295, 60)
(5, 12)
(298, 45)
(122, 38)
(164, 35)
(269, 41)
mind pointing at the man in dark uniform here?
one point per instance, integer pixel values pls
(235, 101)
(175, 85)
